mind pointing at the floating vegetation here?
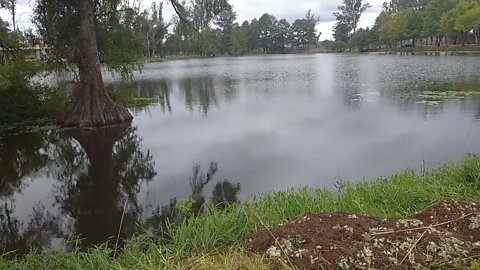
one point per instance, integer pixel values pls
(429, 102)
(453, 91)
(138, 102)
(358, 97)
(38, 125)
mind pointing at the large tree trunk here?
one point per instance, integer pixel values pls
(91, 106)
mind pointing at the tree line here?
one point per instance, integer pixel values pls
(409, 23)
(210, 29)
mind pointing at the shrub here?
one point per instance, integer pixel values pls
(471, 169)
(21, 100)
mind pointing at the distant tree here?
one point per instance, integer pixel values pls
(11, 6)
(284, 35)
(348, 15)
(341, 32)
(304, 32)
(384, 29)
(253, 35)
(204, 12)
(470, 21)
(457, 22)
(408, 25)
(267, 25)
(225, 22)
(154, 28)
(433, 12)
(238, 41)
(396, 6)
(206, 42)
(362, 39)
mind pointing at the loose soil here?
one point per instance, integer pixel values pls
(447, 235)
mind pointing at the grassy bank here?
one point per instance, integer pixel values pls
(205, 242)
(467, 49)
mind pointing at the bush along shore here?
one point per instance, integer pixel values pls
(403, 221)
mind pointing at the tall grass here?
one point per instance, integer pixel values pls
(196, 241)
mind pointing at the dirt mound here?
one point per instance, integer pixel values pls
(447, 234)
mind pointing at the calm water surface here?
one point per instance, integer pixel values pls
(228, 128)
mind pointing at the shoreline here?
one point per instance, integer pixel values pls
(428, 50)
(217, 239)
(432, 50)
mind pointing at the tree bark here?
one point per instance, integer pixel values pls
(91, 105)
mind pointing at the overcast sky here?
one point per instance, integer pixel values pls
(247, 10)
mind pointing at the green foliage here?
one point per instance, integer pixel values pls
(469, 20)
(385, 29)
(117, 31)
(407, 21)
(348, 16)
(475, 266)
(334, 46)
(434, 11)
(408, 24)
(119, 42)
(456, 20)
(303, 30)
(471, 170)
(238, 42)
(265, 35)
(21, 100)
(342, 33)
(363, 38)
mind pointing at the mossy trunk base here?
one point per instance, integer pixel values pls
(90, 106)
(93, 108)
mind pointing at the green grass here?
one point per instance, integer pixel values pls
(202, 242)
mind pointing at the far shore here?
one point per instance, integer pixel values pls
(438, 50)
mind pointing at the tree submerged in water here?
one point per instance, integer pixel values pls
(86, 33)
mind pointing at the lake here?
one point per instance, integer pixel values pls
(227, 129)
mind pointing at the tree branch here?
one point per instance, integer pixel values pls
(178, 7)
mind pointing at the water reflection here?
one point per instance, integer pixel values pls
(97, 176)
(20, 236)
(199, 94)
(21, 155)
(223, 194)
(356, 82)
(348, 83)
(158, 89)
(103, 186)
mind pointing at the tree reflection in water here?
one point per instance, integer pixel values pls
(97, 191)
(223, 193)
(21, 156)
(98, 173)
(17, 236)
(97, 176)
